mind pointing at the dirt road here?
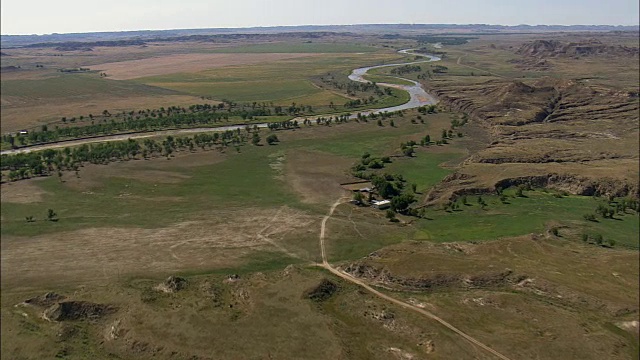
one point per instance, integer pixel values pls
(325, 264)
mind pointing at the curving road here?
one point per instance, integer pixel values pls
(325, 264)
(419, 97)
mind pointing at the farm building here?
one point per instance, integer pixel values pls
(381, 204)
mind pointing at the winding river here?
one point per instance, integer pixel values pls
(418, 97)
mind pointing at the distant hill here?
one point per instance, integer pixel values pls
(21, 40)
(555, 48)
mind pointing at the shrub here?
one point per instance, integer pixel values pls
(271, 139)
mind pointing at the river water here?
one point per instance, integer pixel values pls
(419, 97)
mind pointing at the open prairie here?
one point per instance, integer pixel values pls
(35, 92)
(186, 63)
(512, 227)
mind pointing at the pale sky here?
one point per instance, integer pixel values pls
(64, 16)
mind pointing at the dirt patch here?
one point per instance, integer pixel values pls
(77, 310)
(313, 175)
(172, 284)
(631, 326)
(185, 63)
(21, 192)
(400, 354)
(156, 176)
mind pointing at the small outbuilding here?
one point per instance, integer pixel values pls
(381, 204)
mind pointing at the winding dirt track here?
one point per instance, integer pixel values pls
(325, 264)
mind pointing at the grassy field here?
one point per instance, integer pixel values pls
(281, 82)
(290, 47)
(427, 168)
(225, 184)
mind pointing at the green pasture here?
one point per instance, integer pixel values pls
(425, 169)
(525, 215)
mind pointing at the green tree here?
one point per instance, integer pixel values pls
(384, 187)
(255, 139)
(358, 197)
(408, 151)
(401, 203)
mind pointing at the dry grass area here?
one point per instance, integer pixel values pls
(519, 294)
(219, 317)
(217, 239)
(22, 192)
(185, 63)
(154, 171)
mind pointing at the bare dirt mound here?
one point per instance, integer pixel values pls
(77, 310)
(45, 300)
(532, 64)
(555, 48)
(381, 275)
(321, 292)
(172, 284)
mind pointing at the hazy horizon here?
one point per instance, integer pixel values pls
(73, 16)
